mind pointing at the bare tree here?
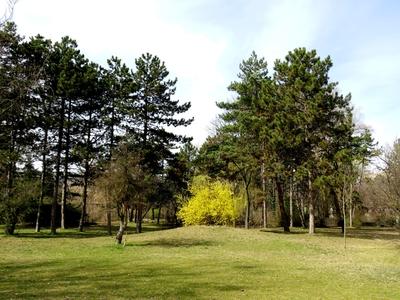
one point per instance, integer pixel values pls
(8, 11)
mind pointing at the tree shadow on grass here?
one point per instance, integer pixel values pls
(174, 243)
(368, 233)
(280, 231)
(93, 279)
(92, 231)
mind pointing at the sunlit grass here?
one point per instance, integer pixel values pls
(201, 262)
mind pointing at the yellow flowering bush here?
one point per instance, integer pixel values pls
(212, 203)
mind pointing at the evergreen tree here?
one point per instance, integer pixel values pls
(153, 110)
(66, 60)
(150, 113)
(17, 116)
(118, 86)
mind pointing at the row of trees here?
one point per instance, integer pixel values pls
(289, 136)
(287, 143)
(65, 118)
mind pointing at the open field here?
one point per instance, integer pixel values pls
(203, 263)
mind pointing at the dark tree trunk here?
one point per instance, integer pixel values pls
(284, 216)
(263, 183)
(291, 201)
(84, 198)
(131, 214)
(53, 224)
(66, 162)
(139, 210)
(311, 204)
(300, 207)
(11, 166)
(87, 172)
(109, 226)
(10, 226)
(247, 220)
(108, 215)
(10, 214)
(158, 216)
(42, 181)
(337, 209)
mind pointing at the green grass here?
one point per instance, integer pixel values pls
(202, 263)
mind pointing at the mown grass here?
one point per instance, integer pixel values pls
(202, 263)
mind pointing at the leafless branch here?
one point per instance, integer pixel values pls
(8, 12)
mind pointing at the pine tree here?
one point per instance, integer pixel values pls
(150, 113)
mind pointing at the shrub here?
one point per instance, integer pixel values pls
(19, 203)
(212, 203)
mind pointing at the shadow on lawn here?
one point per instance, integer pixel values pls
(370, 233)
(89, 232)
(173, 243)
(280, 231)
(94, 279)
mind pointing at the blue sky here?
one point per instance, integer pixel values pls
(203, 41)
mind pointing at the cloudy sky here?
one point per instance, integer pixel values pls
(203, 41)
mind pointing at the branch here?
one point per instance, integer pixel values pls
(8, 13)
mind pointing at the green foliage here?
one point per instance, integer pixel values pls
(212, 203)
(71, 115)
(14, 207)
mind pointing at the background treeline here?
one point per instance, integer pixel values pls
(289, 142)
(65, 121)
(286, 150)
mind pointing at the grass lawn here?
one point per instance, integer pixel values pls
(202, 263)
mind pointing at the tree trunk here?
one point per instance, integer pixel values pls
(84, 198)
(10, 226)
(42, 181)
(247, 219)
(10, 214)
(66, 161)
(264, 211)
(123, 224)
(108, 215)
(284, 216)
(139, 219)
(109, 226)
(131, 214)
(64, 198)
(112, 129)
(11, 167)
(350, 215)
(300, 206)
(351, 206)
(344, 214)
(159, 214)
(291, 201)
(53, 224)
(311, 225)
(136, 215)
(152, 213)
(337, 208)
(311, 204)
(87, 171)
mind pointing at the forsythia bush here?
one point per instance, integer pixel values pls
(212, 203)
